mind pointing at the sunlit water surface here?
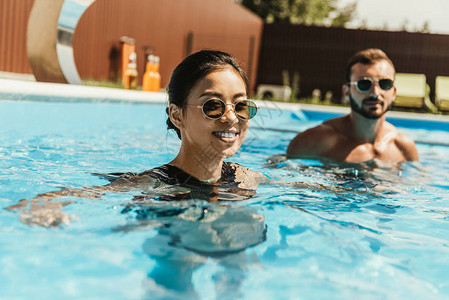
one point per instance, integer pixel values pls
(370, 233)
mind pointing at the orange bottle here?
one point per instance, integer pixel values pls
(131, 73)
(148, 75)
(156, 82)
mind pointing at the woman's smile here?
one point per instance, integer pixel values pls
(227, 136)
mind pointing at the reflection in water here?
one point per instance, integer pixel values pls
(366, 189)
(192, 222)
(373, 176)
(360, 187)
(189, 233)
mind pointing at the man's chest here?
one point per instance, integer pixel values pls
(360, 152)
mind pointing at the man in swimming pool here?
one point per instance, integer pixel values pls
(363, 134)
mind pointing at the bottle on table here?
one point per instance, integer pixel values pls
(148, 76)
(156, 82)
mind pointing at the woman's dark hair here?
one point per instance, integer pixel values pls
(194, 68)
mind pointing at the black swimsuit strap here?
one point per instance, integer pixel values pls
(175, 176)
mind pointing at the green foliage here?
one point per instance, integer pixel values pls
(309, 12)
(294, 84)
(105, 83)
(425, 28)
(102, 83)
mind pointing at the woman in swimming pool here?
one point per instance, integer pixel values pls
(209, 110)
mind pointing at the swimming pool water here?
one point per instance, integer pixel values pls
(371, 232)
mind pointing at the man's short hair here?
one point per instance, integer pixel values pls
(366, 57)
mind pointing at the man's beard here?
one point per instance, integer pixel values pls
(367, 113)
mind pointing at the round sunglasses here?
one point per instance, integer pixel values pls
(216, 108)
(364, 85)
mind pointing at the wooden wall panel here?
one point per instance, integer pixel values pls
(163, 25)
(13, 27)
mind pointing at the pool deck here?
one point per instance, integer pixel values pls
(24, 87)
(16, 89)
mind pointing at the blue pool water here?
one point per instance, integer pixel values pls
(370, 233)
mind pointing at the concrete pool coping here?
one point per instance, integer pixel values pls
(17, 89)
(12, 89)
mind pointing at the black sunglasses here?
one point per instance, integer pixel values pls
(364, 85)
(216, 108)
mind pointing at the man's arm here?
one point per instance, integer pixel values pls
(313, 142)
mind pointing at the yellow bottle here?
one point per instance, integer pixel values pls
(148, 75)
(156, 82)
(131, 73)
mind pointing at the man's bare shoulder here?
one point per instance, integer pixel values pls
(403, 142)
(338, 124)
(407, 146)
(316, 141)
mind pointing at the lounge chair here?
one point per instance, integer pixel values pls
(413, 92)
(442, 92)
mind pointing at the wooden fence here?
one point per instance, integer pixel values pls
(320, 54)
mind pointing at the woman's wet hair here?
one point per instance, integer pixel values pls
(194, 68)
